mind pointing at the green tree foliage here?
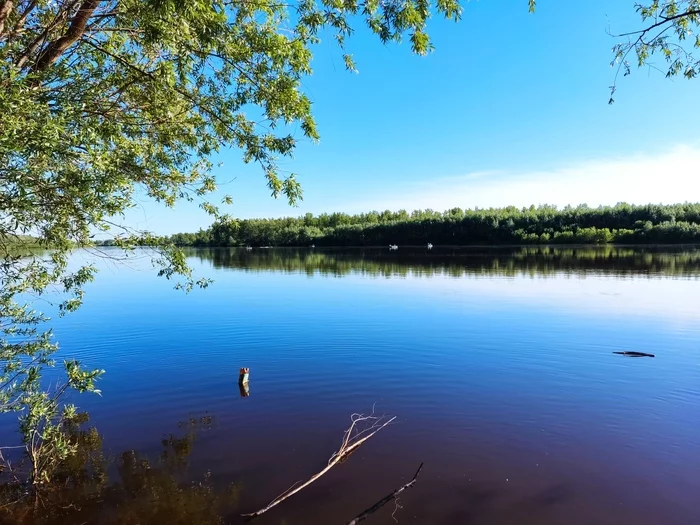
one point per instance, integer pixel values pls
(104, 101)
(623, 223)
(670, 31)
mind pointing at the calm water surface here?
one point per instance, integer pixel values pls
(497, 363)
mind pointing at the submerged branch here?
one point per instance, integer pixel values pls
(351, 442)
(374, 508)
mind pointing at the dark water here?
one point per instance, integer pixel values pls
(498, 364)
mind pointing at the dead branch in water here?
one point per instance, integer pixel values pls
(374, 508)
(353, 438)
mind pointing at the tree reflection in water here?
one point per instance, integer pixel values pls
(92, 487)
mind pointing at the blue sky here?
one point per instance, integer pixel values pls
(510, 108)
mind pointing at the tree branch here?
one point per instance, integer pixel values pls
(350, 444)
(374, 508)
(76, 29)
(664, 20)
(44, 35)
(19, 25)
(6, 7)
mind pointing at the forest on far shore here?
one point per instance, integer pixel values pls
(622, 224)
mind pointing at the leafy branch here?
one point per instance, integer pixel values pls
(671, 23)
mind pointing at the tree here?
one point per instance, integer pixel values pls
(670, 30)
(104, 100)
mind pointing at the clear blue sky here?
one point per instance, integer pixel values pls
(510, 108)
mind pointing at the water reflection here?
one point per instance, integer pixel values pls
(458, 262)
(92, 487)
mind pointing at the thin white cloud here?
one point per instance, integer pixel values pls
(669, 177)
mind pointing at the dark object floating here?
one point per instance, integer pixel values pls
(634, 354)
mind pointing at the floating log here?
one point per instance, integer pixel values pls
(635, 354)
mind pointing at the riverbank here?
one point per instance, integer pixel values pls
(622, 224)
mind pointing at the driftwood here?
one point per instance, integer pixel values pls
(374, 508)
(352, 440)
(634, 354)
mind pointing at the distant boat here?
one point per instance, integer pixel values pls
(248, 248)
(313, 246)
(430, 246)
(393, 247)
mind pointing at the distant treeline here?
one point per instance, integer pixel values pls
(18, 240)
(18, 245)
(623, 223)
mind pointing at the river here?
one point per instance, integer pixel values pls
(497, 363)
